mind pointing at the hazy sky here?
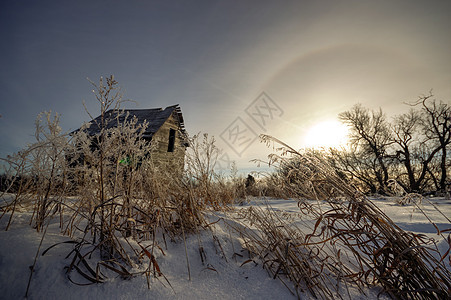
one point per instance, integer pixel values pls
(313, 59)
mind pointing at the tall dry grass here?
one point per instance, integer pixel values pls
(345, 238)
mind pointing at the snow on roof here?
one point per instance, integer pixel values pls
(155, 118)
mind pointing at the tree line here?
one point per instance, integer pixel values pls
(410, 152)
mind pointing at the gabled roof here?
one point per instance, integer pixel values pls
(155, 118)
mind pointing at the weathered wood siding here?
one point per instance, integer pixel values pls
(160, 141)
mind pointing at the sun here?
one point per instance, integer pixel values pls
(330, 133)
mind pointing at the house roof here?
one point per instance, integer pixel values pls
(155, 118)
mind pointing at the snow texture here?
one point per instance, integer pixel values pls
(218, 277)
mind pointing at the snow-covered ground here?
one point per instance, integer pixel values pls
(223, 275)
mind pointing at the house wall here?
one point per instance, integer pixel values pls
(160, 141)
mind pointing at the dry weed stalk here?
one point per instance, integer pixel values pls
(38, 174)
(210, 188)
(280, 245)
(403, 263)
(411, 198)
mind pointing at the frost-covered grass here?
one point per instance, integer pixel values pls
(217, 277)
(224, 269)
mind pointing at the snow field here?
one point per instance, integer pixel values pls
(225, 273)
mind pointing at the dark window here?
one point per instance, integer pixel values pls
(171, 140)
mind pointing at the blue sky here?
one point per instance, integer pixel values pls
(314, 59)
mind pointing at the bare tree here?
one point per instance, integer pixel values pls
(413, 149)
(370, 133)
(405, 136)
(437, 131)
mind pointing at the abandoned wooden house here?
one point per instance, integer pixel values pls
(165, 131)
